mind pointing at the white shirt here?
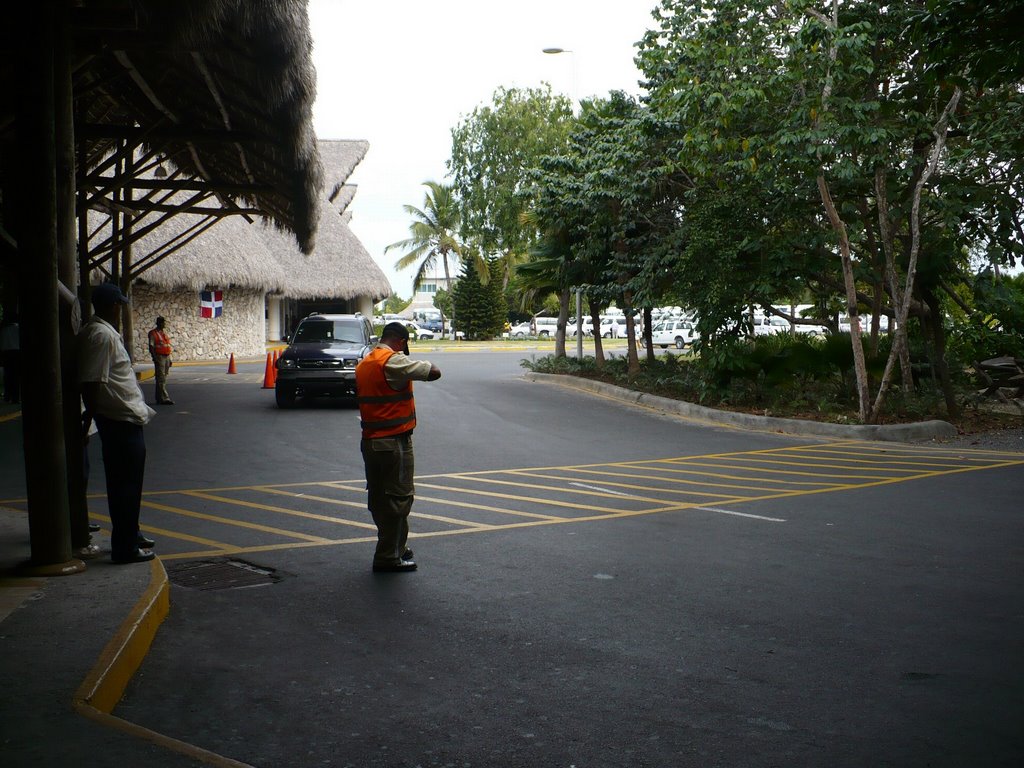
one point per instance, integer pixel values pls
(102, 358)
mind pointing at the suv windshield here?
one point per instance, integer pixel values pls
(325, 330)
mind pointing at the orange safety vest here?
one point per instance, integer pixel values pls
(383, 411)
(159, 343)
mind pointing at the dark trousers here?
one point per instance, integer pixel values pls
(389, 466)
(124, 464)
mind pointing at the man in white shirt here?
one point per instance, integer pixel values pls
(113, 398)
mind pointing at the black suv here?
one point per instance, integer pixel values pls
(321, 357)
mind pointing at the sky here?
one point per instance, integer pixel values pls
(402, 73)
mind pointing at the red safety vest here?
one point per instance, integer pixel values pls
(159, 343)
(383, 411)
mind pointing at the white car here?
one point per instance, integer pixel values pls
(613, 327)
(418, 332)
(520, 331)
(679, 333)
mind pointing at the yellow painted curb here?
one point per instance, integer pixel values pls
(105, 684)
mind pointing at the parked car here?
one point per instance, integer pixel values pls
(520, 331)
(588, 327)
(680, 333)
(321, 357)
(418, 332)
(613, 327)
(545, 326)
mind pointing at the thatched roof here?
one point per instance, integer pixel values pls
(232, 252)
(344, 197)
(339, 158)
(340, 267)
(222, 90)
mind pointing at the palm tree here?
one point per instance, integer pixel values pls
(432, 235)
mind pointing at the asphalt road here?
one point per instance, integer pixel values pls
(599, 586)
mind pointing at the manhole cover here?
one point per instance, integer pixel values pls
(221, 573)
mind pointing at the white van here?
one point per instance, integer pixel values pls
(545, 326)
(680, 333)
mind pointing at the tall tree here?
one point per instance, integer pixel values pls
(433, 235)
(493, 150)
(480, 303)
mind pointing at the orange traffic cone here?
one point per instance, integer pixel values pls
(231, 364)
(268, 375)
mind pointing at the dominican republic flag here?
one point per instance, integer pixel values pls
(211, 303)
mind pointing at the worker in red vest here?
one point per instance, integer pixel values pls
(160, 351)
(387, 414)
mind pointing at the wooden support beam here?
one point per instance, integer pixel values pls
(45, 458)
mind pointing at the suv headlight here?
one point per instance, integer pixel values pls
(349, 363)
(283, 362)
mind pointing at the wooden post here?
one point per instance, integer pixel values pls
(42, 401)
(67, 273)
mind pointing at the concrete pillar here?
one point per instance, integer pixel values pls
(274, 317)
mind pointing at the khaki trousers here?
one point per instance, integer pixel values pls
(161, 366)
(389, 466)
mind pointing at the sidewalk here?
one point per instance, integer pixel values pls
(69, 646)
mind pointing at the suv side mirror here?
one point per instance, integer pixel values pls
(374, 339)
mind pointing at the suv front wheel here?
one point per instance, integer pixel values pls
(284, 395)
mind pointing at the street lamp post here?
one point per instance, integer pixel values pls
(554, 51)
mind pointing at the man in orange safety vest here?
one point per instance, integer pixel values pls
(160, 351)
(387, 414)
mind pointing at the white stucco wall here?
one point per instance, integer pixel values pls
(240, 330)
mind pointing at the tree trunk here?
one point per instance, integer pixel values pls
(595, 324)
(860, 368)
(448, 287)
(563, 317)
(938, 333)
(648, 321)
(633, 359)
(939, 132)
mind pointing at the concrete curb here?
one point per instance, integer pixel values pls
(924, 430)
(106, 682)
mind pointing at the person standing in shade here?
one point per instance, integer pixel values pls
(387, 414)
(160, 351)
(113, 398)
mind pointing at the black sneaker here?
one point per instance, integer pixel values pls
(403, 566)
(407, 555)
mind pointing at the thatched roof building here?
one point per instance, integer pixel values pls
(339, 268)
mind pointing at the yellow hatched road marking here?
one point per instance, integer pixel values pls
(622, 485)
(682, 481)
(231, 521)
(557, 489)
(532, 499)
(723, 476)
(775, 471)
(311, 497)
(282, 510)
(883, 458)
(806, 460)
(455, 503)
(895, 464)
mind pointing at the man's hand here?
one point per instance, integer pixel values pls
(435, 373)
